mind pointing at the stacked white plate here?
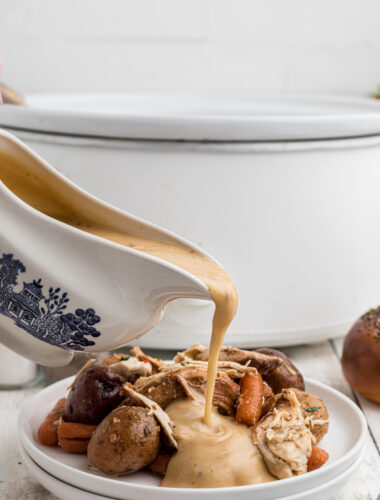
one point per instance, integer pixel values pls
(69, 477)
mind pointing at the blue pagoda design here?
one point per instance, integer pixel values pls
(42, 314)
(24, 306)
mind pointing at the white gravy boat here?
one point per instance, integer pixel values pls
(64, 290)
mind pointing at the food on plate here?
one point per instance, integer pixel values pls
(250, 400)
(160, 463)
(218, 455)
(318, 457)
(127, 440)
(275, 367)
(313, 410)
(181, 380)
(361, 355)
(260, 429)
(263, 362)
(74, 437)
(47, 432)
(283, 376)
(93, 395)
(283, 437)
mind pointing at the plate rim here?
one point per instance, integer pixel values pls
(296, 496)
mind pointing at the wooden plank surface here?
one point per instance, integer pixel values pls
(319, 361)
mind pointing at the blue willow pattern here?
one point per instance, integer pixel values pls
(43, 316)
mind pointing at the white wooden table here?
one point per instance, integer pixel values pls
(319, 361)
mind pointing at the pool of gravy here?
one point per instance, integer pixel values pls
(42, 193)
(211, 456)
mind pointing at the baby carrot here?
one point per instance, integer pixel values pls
(74, 445)
(317, 458)
(73, 430)
(250, 400)
(47, 432)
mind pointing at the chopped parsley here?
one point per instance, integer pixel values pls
(91, 371)
(313, 408)
(184, 364)
(124, 358)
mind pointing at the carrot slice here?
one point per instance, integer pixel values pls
(250, 400)
(47, 432)
(73, 430)
(74, 445)
(317, 458)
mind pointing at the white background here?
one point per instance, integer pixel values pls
(93, 45)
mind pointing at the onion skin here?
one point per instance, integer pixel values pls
(361, 355)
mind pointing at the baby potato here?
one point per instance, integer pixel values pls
(127, 440)
(312, 406)
(93, 396)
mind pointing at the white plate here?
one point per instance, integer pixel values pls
(344, 442)
(68, 492)
(59, 488)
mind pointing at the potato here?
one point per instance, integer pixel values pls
(285, 375)
(127, 440)
(313, 406)
(93, 396)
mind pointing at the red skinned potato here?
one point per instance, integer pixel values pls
(93, 396)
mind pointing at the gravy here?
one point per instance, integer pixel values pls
(42, 193)
(211, 456)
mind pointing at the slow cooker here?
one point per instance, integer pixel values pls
(282, 190)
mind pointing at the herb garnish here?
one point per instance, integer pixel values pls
(313, 408)
(124, 358)
(184, 364)
(91, 371)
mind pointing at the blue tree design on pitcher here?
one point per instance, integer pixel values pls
(43, 316)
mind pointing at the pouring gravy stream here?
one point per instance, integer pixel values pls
(41, 194)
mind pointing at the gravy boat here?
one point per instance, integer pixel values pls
(64, 290)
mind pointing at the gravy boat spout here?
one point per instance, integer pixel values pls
(63, 289)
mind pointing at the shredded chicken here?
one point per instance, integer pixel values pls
(233, 370)
(317, 420)
(284, 439)
(131, 369)
(139, 354)
(178, 381)
(263, 362)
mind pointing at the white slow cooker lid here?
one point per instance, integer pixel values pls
(197, 117)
